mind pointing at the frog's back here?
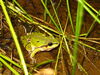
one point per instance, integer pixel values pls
(38, 39)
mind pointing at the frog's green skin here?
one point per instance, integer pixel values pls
(35, 42)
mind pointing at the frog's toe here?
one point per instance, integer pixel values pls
(33, 61)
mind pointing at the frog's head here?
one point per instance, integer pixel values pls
(40, 41)
(47, 43)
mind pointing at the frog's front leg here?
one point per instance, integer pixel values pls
(34, 52)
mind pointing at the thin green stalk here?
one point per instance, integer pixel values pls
(45, 13)
(56, 16)
(43, 63)
(89, 46)
(31, 20)
(89, 11)
(69, 15)
(77, 33)
(8, 59)
(50, 16)
(92, 8)
(56, 9)
(25, 13)
(14, 37)
(91, 27)
(5, 63)
(58, 55)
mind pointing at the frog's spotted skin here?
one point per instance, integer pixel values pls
(38, 41)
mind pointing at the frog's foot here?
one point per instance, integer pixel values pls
(33, 60)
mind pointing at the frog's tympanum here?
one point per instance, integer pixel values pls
(35, 42)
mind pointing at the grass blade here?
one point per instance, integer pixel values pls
(89, 11)
(50, 15)
(5, 63)
(77, 33)
(14, 37)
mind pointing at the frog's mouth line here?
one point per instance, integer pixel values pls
(48, 47)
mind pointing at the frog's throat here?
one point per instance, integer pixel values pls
(42, 48)
(39, 49)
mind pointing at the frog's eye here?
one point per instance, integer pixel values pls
(28, 40)
(50, 43)
(37, 41)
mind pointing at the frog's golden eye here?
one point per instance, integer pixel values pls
(50, 43)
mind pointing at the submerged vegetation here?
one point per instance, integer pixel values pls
(75, 42)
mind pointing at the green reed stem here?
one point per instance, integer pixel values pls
(5, 63)
(14, 37)
(77, 33)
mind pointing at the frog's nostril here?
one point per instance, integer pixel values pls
(50, 43)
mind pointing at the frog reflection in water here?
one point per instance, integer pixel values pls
(36, 42)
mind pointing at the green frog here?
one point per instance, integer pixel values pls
(35, 42)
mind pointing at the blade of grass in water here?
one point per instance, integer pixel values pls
(15, 38)
(77, 33)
